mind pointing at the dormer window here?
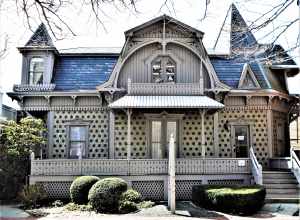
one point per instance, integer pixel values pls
(163, 70)
(36, 70)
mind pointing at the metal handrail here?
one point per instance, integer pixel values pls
(256, 168)
(295, 164)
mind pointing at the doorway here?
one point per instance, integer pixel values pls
(161, 131)
(241, 142)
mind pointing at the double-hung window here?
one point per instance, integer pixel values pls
(78, 141)
(36, 70)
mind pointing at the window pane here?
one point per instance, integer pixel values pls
(241, 135)
(77, 149)
(36, 70)
(156, 140)
(171, 129)
(156, 70)
(77, 133)
(170, 70)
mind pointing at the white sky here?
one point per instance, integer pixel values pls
(118, 21)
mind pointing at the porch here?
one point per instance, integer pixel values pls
(148, 176)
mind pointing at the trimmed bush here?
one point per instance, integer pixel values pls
(127, 206)
(104, 196)
(230, 199)
(80, 188)
(131, 195)
(145, 204)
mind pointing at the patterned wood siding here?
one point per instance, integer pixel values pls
(138, 66)
(98, 133)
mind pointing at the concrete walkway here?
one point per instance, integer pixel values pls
(184, 211)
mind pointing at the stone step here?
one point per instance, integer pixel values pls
(279, 180)
(294, 191)
(281, 185)
(278, 175)
(274, 199)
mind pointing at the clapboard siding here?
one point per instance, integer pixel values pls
(138, 67)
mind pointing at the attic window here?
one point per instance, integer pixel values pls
(36, 70)
(163, 70)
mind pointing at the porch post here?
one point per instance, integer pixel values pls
(202, 112)
(111, 134)
(129, 112)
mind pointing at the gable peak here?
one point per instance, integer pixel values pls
(40, 38)
(248, 79)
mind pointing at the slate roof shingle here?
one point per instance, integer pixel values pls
(82, 73)
(229, 71)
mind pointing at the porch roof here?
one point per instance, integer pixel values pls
(129, 101)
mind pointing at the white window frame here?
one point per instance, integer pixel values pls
(32, 73)
(78, 123)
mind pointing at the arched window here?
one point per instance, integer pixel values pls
(36, 70)
(163, 70)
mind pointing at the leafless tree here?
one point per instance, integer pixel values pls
(51, 13)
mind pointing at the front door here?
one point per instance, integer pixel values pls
(241, 143)
(161, 131)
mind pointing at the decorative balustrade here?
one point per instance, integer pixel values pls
(74, 167)
(34, 88)
(295, 164)
(256, 168)
(164, 89)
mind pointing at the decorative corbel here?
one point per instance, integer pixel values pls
(74, 98)
(100, 98)
(270, 99)
(48, 99)
(21, 100)
(108, 97)
(248, 98)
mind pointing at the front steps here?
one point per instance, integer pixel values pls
(281, 187)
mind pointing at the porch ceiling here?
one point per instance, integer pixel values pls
(200, 102)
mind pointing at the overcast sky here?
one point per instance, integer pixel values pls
(119, 20)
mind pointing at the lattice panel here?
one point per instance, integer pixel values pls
(153, 190)
(226, 182)
(259, 132)
(191, 135)
(184, 188)
(138, 136)
(57, 190)
(98, 132)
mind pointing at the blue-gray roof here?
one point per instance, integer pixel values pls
(229, 71)
(82, 73)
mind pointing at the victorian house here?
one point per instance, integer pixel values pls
(111, 111)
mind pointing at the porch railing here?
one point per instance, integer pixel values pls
(62, 167)
(164, 89)
(256, 168)
(295, 164)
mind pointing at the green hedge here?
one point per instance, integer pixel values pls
(13, 175)
(104, 196)
(131, 195)
(230, 199)
(80, 188)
